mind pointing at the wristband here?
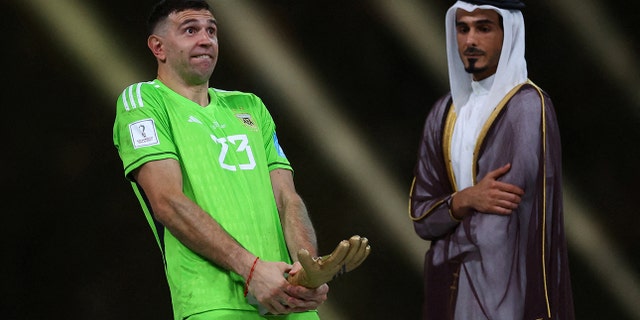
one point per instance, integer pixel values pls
(246, 285)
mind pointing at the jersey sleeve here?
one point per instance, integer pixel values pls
(276, 158)
(141, 131)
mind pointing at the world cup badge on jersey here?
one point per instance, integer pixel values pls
(247, 120)
(143, 133)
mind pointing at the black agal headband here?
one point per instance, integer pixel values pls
(502, 4)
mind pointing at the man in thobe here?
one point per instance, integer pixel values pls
(487, 191)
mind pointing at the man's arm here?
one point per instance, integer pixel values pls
(488, 196)
(296, 224)
(299, 234)
(162, 183)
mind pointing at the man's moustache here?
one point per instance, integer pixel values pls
(473, 50)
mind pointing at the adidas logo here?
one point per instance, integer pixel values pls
(194, 119)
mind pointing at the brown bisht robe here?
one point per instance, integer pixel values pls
(495, 266)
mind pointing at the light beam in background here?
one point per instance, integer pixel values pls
(83, 36)
(594, 28)
(607, 262)
(601, 38)
(422, 31)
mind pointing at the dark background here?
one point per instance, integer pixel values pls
(76, 244)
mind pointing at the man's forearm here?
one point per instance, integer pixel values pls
(298, 229)
(197, 230)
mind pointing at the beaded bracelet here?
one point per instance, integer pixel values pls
(246, 285)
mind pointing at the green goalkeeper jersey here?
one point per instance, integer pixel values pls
(225, 151)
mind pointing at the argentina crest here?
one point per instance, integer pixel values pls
(246, 119)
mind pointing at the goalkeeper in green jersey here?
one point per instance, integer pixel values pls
(215, 185)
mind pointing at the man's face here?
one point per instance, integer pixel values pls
(480, 39)
(189, 45)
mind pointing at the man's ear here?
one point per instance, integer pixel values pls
(157, 47)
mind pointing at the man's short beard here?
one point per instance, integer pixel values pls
(472, 67)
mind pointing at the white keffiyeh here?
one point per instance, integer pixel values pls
(511, 71)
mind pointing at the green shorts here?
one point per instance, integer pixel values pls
(249, 315)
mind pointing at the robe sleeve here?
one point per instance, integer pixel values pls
(431, 188)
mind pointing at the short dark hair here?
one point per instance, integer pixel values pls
(164, 8)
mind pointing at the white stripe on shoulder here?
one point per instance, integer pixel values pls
(132, 95)
(132, 100)
(140, 102)
(125, 103)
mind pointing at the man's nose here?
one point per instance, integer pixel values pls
(206, 38)
(471, 38)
